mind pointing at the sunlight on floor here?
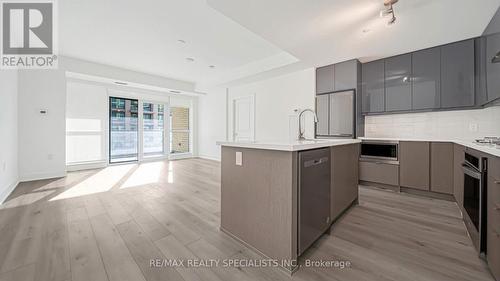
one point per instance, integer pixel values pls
(103, 181)
(146, 173)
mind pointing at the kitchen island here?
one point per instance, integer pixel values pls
(262, 192)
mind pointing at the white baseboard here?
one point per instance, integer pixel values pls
(86, 166)
(8, 190)
(42, 176)
(209, 158)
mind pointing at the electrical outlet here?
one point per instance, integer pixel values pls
(473, 127)
(239, 158)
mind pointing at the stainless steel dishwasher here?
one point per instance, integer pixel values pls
(314, 196)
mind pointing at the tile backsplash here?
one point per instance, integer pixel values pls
(459, 124)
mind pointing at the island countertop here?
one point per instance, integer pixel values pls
(290, 145)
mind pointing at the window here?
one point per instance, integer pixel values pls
(123, 130)
(153, 129)
(180, 131)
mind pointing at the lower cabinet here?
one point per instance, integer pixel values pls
(442, 167)
(344, 185)
(493, 236)
(379, 172)
(458, 174)
(414, 164)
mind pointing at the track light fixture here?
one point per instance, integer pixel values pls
(389, 11)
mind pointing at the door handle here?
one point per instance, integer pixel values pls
(496, 182)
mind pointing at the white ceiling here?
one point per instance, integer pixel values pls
(143, 36)
(319, 32)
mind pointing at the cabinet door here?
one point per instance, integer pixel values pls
(442, 167)
(493, 69)
(426, 79)
(325, 79)
(414, 164)
(458, 175)
(341, 121)
(398, 83)
(457, 75)
(346, 75)
(344, 177)
(322, 111)
(373, 93)
(493, 217)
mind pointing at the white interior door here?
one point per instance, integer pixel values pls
(244, 118)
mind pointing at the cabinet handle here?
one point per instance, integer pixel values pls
(496, 182)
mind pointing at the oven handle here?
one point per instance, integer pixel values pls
(469, 171)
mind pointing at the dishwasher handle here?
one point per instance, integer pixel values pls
(315, 162)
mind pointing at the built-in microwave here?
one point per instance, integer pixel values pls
(380, 151)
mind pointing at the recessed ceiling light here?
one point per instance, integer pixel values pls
(181, 41)
(211, 66)
(120, 83)
(190, 59)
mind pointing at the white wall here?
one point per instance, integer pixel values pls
(8, 129)
(42, 136)
(275, 102)
(212, 118)
(461, 124)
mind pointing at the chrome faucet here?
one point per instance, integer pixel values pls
(301, 134)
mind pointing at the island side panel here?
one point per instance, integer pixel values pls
(344, 178)
(258, 200)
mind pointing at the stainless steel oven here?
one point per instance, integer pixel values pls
(380, 151)
(475, 178)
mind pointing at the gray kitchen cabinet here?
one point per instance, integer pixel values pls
(458, 175)
(426, 79)
(442, 167)
(457, 75)
(480, 76)
(325, 79)
(322, 111)
(372, 87)
(414, 162)
(492, 69)
(379, 172)
(344, 178)
(346, 75)
(398, 83)
(493, 217)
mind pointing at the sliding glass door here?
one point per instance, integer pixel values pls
(123, 130)
(153, 125)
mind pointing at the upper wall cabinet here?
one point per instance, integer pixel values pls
(426, 79)
(493, 69)
(457, 75)
(398, 83)
(346, 75)
(325, 77)
(372, 87)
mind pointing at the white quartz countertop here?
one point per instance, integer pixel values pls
(289, 145)
(485, 148)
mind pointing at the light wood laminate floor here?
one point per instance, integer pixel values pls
(108, 224)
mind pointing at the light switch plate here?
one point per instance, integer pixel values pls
(239, 158)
